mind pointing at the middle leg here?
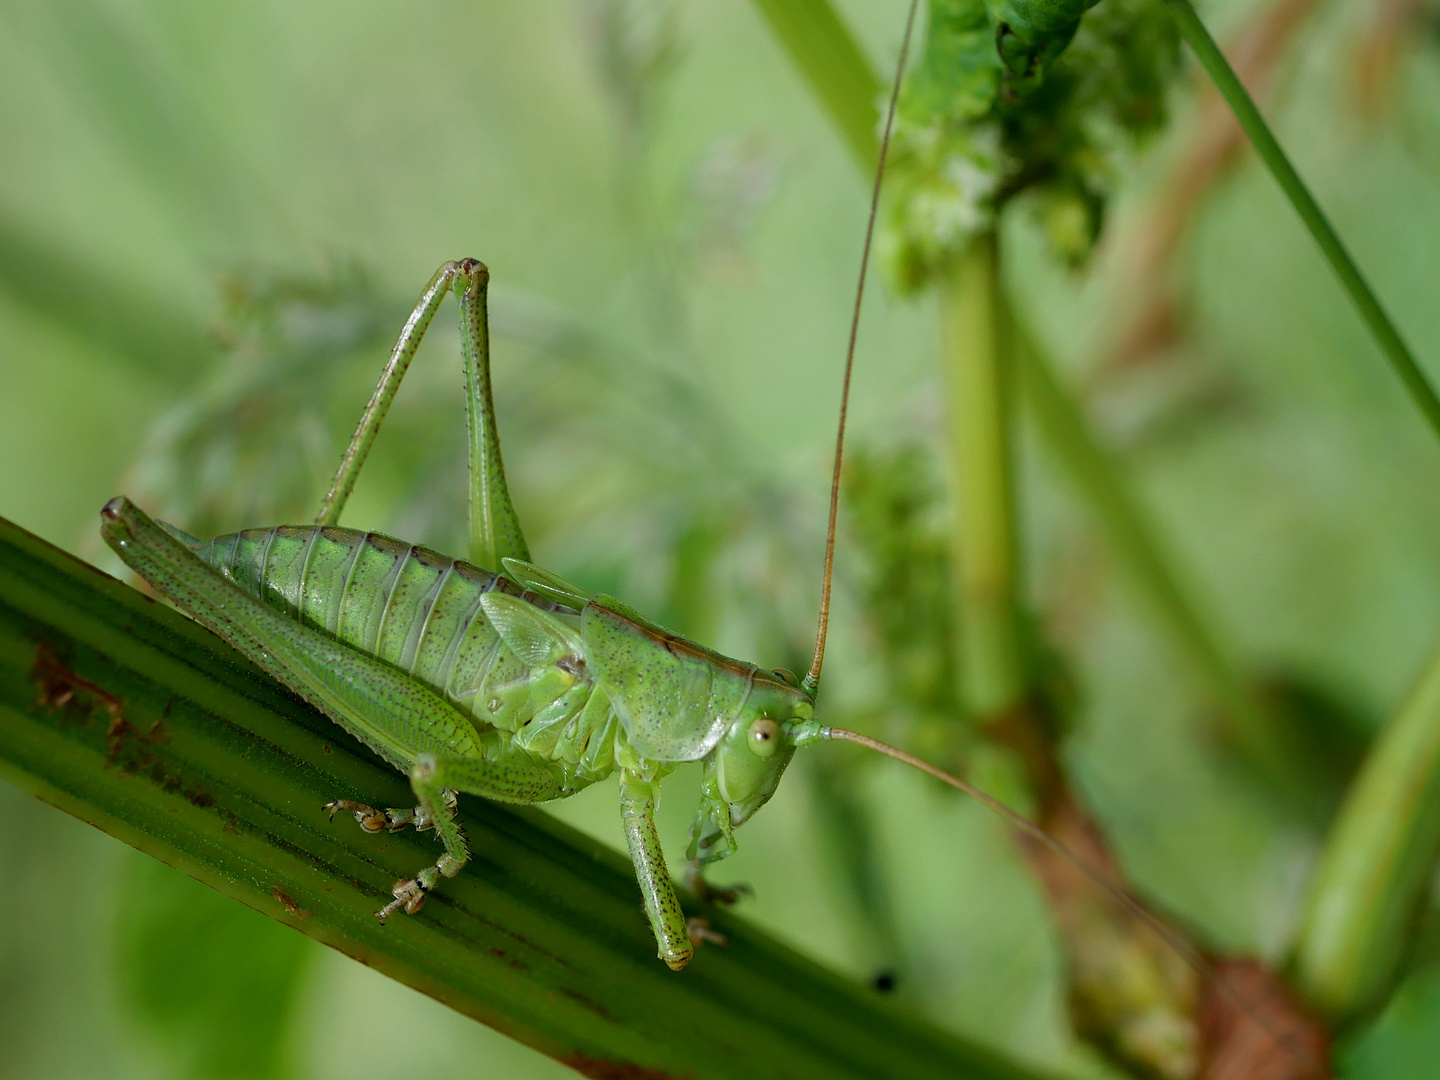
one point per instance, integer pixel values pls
(435, 779)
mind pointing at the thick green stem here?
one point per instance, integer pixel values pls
(122, 712)
(980, 409)
(1378, 863)
(1255, 128)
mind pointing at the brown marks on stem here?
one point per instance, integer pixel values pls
(1236, 1047)
(60, 689)
(289, 904)
(1130, 993)
(137, 753)
(597, 1069)
(1147, 996)
(129, 746)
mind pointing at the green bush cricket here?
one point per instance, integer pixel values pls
(518, 686)
(521, 687)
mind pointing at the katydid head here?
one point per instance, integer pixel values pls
(677, 701)
(745, 766)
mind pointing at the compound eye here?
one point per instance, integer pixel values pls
(764, 737)
(786, 676)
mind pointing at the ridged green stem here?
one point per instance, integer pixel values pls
(1378, 863)
(122, 712)
(1259, 134)
(978, 394)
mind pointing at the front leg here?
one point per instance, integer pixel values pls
(437, 808)
(637, 810)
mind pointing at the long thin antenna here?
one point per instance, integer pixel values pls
(812, 677)
(1096, 876)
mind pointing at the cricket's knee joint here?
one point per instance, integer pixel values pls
(449, 865)
(423, 772)
(677, 959)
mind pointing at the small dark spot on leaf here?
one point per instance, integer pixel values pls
(884, 981)
(289, 904)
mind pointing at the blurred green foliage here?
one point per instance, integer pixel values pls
(212, 222)
(214, 983)
(974, 130)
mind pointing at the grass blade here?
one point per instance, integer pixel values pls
(1260, 136)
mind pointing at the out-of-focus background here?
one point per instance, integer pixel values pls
(214, 218)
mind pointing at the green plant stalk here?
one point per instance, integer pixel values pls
(1259, 134)
(1377, 864)
(124, 713)
(826, 54)
(993, 671)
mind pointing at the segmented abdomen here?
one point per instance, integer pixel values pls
(421, 611)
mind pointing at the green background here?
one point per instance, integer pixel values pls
(673, 230)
